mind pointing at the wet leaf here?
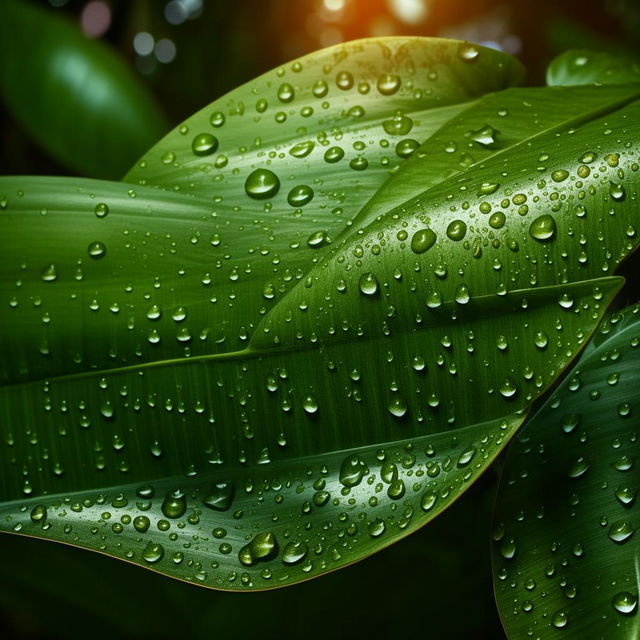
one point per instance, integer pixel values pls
(251, 414)
(565, 540)
(592, 67)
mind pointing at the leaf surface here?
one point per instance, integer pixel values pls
(566, 558)
(592, 67)
(366, 397)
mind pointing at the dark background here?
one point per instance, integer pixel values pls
(435, 584)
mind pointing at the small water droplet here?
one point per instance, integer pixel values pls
(97, 250)
(368, 284)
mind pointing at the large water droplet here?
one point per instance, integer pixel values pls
(204, 144)
(543, 228)
(300, 195)
(262, 184)
(423, 240)
(174, 504)
(388, 84)
(625, 603)
(220, 496)
(368, 284)
(97, 250)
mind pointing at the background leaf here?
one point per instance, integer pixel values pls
(75, 97)
(590, 67)
(566, 547)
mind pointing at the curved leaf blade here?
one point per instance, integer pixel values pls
(591, 67)
(73, 95)
(566, 546)
(493, 125)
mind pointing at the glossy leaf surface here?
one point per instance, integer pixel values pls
(590, 67)
(566, 546)
(73, 95)
(365, 397)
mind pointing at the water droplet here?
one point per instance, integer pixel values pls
(204, 144)
(217, 119)
(462, 295)
(300, 195)
(617, 192)
(388, 84)
(220, 496)
(39, 513)
(485, 136)
(344, 80)
(468, 52)
(97, 250)
(626, 496)
(262, 184)
(398, 407)
(559, 619)
(50, 273)
(543, 228)
(141, 524)
(153, 552)
(310, 405)
(376, 528)
(333, 154)
(318, 239)
(423, 240)
(286, 92)
(625, 602)
(174, 504)
(508, 388)
(621, 531)
(101, 210)
(457, 230)
(428, 500)
(368, 284)
(352, 470)
(302, 149)
(541, 340)
(399, 125)
(294, 552)
(264, 546)
(406, 148)
(559, 175)
(320, 89)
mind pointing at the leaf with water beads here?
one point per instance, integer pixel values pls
(565, 540)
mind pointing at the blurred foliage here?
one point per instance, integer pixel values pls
(223, 44)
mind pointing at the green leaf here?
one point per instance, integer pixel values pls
(494, 124)
(330, 128)
(73, 95)
(363, 398)
(590, 67)
(566, 547)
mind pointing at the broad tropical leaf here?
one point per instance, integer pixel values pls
(566, 555)
(364, 398)
(507, 120)
(590, 67)
(287, 160)
(74, 96)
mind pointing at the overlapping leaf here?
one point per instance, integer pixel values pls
(365, 396)
(566, 554)
(577, 67)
